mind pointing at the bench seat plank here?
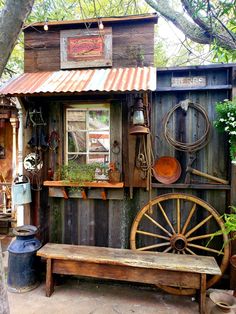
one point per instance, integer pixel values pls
(125, 257)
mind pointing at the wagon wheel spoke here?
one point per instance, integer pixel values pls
(188, 219)
(178, 215)
(203, 236)
(190, 251)
(153, 246)
(152, 235)
(167, 250)
(206, 248)
(166, 217)
(157, 224)
(198, 226)
(175, 226)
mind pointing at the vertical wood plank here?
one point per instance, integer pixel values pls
(86, 233)
(202, 303)
(101, 223)
(115, 222)
(49, 278)
(116, 133)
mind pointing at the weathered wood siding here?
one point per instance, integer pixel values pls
(108, 223)
(132, 45)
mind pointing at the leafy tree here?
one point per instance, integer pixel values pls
(207, 22)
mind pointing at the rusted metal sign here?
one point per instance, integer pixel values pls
(86, 48)
(189, 81)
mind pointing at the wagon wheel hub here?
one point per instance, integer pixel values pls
(178, 242)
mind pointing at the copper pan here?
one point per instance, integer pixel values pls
(167, 169)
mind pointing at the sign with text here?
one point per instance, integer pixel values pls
(189, 81)
(86, 48)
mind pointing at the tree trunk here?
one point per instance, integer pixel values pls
(4, 306)
(12, 18)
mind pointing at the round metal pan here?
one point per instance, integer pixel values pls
(167, 169)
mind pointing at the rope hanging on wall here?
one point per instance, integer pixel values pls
(184, 146)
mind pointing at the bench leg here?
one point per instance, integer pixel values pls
(49, 278)
(202, 303)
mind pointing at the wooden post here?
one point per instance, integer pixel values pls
(202, 301)
(49, 278)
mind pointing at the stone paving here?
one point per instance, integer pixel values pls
(94, 297)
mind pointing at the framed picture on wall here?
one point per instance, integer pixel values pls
(86, 48)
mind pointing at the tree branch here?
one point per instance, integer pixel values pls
(198, 29)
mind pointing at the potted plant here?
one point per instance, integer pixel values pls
(226, 122)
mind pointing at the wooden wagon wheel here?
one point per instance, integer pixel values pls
(194, 223)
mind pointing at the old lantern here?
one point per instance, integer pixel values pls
(138, 118)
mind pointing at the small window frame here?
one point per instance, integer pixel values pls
(86, 107)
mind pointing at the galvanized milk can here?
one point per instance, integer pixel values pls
(21, 190)
(23, 264)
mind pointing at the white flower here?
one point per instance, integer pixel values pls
(226, 128)
(222, 120)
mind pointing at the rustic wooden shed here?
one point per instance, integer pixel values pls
(76, 63)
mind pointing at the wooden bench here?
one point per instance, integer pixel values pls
(186, 271)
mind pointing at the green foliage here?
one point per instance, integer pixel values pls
(222, 55)
(226, 122)
(79, 173)
(230, 222)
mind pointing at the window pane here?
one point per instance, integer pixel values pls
(98, 120)
(76, 120)
(99, 142)
(80, 159)
(101, 158)
(76, 141)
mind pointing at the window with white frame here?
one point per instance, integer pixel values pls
(88, 133)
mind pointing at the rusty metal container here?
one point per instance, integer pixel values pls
(23, 264)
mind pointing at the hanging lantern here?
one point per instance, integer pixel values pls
(139, 118)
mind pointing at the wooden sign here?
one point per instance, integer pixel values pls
(86, 48)
(189, 81)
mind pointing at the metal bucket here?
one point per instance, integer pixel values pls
(21, 190)
(23, 264)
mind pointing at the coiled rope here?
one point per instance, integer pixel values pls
(182, 146)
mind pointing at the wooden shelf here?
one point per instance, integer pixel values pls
(58, 188)
(192, 186)
(95, 184)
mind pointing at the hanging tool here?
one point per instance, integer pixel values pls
(190, 170)
(206, 175)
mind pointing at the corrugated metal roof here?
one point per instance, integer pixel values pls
(75, 81)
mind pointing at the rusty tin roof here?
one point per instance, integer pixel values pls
(76, 81)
